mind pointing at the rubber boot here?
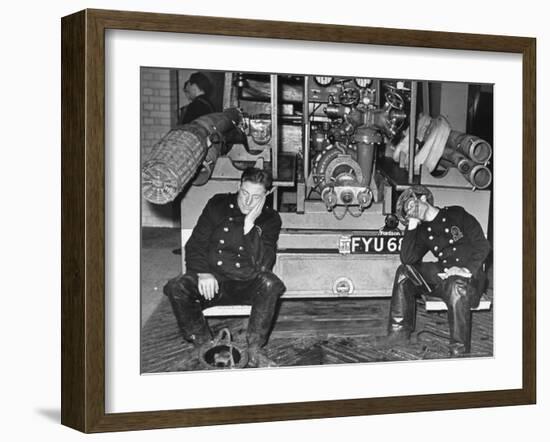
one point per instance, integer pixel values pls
(460, 316)
(402, 316)
(184, 297)
(267, 290)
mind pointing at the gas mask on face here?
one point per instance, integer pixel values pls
(410, 205)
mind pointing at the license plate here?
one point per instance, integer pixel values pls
(371, 244)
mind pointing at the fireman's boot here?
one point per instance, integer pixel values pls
(267, 290)
(460, 316)
(184, 297)
(402, 312)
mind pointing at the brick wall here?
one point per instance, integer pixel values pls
(158, 90)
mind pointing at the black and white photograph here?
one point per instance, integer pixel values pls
(275, 221)
(306, 219)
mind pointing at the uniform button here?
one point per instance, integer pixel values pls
(431, 238)
(225, 229)
(231, 206)
(444, 219)
(447, 230)
(222, 241)
(440, 254)
(238, 265)
(429, 229)
(238, 255)
(219, 263)
(230, 218)
(435, 248)
(444, 261)
(219, 251)
(241, 248)
(451, 241)
(457, 259)
(454, 249)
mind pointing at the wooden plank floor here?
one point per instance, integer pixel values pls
(315, 332)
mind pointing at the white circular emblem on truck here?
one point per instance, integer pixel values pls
(343, 286)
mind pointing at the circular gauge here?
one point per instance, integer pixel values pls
(363, 82)
(322, 81)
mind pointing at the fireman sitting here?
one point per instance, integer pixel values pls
(457, 241)
(229, 258)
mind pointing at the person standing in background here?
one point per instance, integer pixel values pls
(196, 89)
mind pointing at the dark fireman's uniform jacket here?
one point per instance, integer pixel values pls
(219, 246)
(197, 108)
(454, 237)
